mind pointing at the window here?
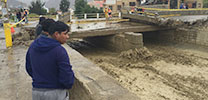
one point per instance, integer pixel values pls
(119, 7)
(132, 4)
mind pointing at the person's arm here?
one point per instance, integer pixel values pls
(28, 64)
(66, 74)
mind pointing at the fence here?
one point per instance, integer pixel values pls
(93, 16)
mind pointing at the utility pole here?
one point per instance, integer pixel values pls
(7, 28)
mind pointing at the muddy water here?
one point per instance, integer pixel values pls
(159, 71)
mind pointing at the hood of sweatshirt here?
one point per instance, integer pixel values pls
(44, 44)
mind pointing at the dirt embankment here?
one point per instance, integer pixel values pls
(157, 72)
(167, 22)
(24, 37)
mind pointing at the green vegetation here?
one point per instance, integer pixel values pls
(37, 7)
(33, 15)
(64, 5)
(52, 11)
(82, 7)
(205, 3)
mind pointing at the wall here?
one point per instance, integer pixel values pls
(185, 12)
(92, 83)
(119, 42)
(126, 2)
(162, 6)
(192, 36)
(198, 5)
(114, 4)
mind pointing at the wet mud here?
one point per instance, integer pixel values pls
(15, 84)
(157, 71)
(24, 37)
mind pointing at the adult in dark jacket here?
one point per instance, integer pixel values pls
(38, 29)
(19, 15)
(47, 62)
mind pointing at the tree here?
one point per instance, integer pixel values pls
(205, 3)
(37, 7)
(81, 7)
(64, 5)
(52, 11)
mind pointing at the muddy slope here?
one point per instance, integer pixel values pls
(157, 72)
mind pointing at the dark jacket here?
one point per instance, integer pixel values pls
(47, 62)
(38, 30)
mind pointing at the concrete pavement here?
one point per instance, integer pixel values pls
(15, 84)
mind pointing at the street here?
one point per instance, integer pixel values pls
(15, 84)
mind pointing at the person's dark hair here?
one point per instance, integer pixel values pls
(41, 19)
(46, 24)
(59, 27)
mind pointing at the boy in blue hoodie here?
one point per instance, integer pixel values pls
(47, 63)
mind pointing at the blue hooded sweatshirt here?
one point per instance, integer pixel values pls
(47, 62)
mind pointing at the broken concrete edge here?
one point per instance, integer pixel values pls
(167, 22)
(92, 83)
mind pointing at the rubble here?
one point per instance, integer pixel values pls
(142, 54)
(168, 22)
(24, 37)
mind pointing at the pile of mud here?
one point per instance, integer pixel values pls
(142, 54)
(24, 37)
(175, 74)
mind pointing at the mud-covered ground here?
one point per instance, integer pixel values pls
(15, 83)
(157, 71)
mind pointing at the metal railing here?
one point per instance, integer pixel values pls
(94, 16)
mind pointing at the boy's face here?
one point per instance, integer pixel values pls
(62, 37)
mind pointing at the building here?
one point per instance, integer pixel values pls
(116, 5)
(174, 4)
(96, 3)
(110, 4)
(131, 3)
(194, 3)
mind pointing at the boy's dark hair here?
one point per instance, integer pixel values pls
(41, 19)
(46, 24)
(59, 27)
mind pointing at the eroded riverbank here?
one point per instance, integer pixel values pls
(157, 71)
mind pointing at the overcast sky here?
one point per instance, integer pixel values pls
(29, 1)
